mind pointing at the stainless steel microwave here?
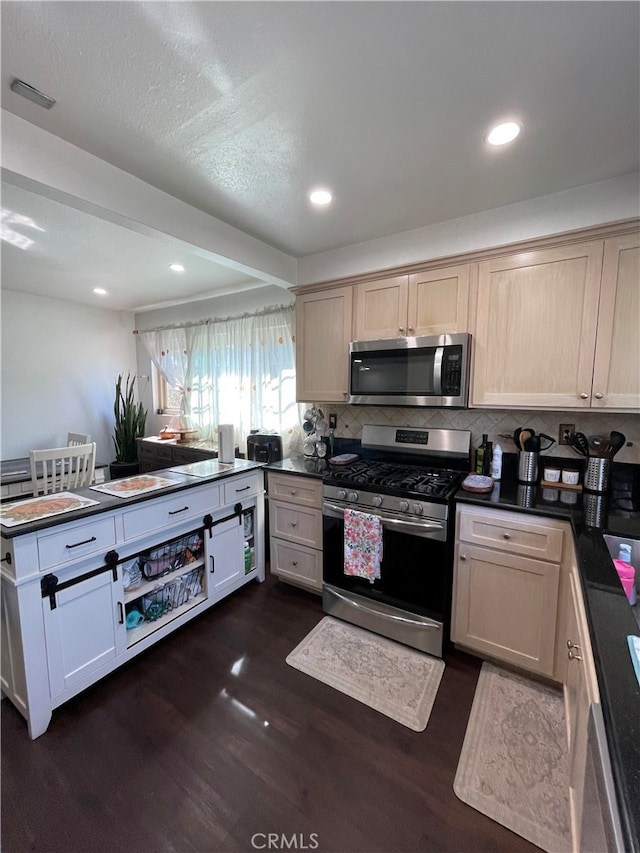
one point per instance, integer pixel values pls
(423, 371)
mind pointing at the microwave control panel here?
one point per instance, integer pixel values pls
(451, 371)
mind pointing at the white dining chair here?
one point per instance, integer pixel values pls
(74, 438)
(58, 469)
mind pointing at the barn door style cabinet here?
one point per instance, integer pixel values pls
(83, 597)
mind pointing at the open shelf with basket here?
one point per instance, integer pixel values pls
(162, 583)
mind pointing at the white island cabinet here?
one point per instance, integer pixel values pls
(81, 596)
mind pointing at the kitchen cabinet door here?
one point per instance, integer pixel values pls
(323, 334)
(381, 309)
(616, 374)
(536, 323)
(225, 557)
(505, 606)
(438, 301)
(85, 630)
(433, 302)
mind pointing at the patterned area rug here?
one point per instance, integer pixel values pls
(514, 764)
(389, 677)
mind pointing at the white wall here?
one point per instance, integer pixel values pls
(59, 366)
(231, 305)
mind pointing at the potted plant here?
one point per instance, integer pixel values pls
(130, 420)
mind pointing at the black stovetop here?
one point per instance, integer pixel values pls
(396, 478)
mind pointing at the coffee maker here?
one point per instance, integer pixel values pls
(264, 448)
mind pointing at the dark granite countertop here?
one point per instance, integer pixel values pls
(180, 481)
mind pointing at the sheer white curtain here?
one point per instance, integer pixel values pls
(168, 351)
(241, 371)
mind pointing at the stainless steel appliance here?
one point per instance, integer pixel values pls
(406, 478)
(422, 371)
(264, 448)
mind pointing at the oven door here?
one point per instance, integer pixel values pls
(411, 600)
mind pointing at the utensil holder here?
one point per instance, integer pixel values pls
(527, 466)
(598, 474)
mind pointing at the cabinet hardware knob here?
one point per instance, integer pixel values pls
(584, 396)
(599, 396)
(294, 491)
(571, 645)
(462, 558)
(294, 523)
(506, 536)
(294, 562)
(573, 656)
(401, 328)
(410, 328)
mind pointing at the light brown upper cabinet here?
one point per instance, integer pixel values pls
(616, 372)
(433, 302)
(323, 334)
(539, 315)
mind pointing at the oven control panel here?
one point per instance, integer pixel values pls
(412, 436)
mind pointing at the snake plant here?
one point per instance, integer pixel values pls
(130, 420)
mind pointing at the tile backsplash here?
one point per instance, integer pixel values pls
(497, 423)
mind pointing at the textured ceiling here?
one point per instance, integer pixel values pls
(238, 108)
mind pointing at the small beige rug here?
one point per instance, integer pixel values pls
(389, 677)
(514, 764)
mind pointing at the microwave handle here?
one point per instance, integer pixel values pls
(437, 371)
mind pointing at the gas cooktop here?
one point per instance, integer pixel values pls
(397, 479)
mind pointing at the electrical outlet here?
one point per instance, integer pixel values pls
(333, 421)
(565, 431)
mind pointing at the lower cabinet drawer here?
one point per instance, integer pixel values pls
(238, 488)
(191, 503)
(55, 549)
(296, 563)
(295, 489)
(512, 532)
(296, 524)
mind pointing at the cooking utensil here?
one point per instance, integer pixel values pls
(516, 437)
(617, 441)
(581, 443)
(548, 438)
(532, 445)
(524, 436)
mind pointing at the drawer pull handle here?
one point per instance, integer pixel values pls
(176, 511)
(213, 565)
(84, 542)
(121, 612)
(506, 536)
(243, 489)
(573, 656)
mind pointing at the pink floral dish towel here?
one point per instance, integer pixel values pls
(362, 544)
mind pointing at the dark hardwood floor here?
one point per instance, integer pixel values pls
(208, 742)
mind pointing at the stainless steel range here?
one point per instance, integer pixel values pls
(398, 500)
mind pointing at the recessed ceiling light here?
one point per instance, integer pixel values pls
(503, 133)
(176, 267)
(320, 197)
(100, 291)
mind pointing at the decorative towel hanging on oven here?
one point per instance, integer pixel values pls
(362, 544)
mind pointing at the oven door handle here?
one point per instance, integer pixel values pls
(424, 524)
(423, 622)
